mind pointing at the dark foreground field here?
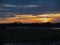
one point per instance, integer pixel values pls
(29, 34)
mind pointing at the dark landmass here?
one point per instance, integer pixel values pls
(40, 25)
(30, 34)
(33, 35)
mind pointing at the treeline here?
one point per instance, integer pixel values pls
(48, 24)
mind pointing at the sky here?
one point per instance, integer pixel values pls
(30, 11)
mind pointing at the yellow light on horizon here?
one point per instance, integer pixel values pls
(44, 20)
(27, 18)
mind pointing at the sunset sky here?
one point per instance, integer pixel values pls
(30, 11)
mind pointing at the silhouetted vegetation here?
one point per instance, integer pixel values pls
(40, 25)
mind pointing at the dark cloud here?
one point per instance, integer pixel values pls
(6, 14)
(29, 6)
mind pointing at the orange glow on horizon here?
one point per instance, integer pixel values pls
(28, 18)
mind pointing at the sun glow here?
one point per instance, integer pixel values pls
(44, 20)
(29, 18)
